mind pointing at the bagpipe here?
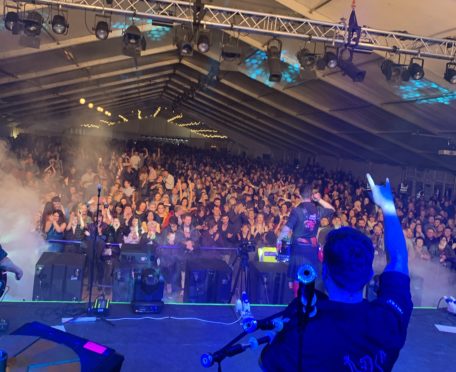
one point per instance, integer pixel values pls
(304, 307)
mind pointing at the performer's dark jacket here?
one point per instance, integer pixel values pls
(365, 336)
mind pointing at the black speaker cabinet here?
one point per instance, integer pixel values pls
(59, 277)
(207, 280)
(269, 283)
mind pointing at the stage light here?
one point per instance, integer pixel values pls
(102, 30)
(416, 68)
(450, 72)
(82, 101)
(391, 70)
(306, 59)
(349, 68)
(184, 41)
(90, 105)
(203, 44)
(132, 35)
(330, 59)
(231, 52)
(33, 24)
(133, 42)
(59, 24)
(11, 21)
(274, 51)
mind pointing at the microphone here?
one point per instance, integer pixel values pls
(99, 188)
(306, 292)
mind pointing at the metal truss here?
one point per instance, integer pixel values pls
(169, 12)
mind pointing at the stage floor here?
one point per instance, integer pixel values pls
(176, 345)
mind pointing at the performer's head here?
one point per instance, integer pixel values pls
(348, 258)
(306, 191)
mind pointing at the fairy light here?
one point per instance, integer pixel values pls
(191, 124)
(157, 111)
(125, 120)
(205, 135)
(100, 109)
(82, 101)
(90, 105)
(109, 123)
(139, 115)
(204, 131)
(90, 126)
(180, 116)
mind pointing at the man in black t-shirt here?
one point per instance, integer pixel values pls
(303, 225)
(349, 333)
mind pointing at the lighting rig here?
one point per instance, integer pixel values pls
(195, 18)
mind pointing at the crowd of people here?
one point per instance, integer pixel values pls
(177, 195)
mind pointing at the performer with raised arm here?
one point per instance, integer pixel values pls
(349, 333)
(303, 226)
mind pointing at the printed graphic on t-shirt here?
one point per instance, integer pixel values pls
(366, 363)
(310, 223)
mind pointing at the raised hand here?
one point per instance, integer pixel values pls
(382, 195)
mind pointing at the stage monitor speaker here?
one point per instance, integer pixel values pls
(269, 283)
(59, 277)
(207, 281)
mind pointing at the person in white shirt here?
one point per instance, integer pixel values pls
(168, 179)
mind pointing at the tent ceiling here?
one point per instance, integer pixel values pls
(322, 112)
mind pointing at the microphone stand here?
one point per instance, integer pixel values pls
(306, 304)
(94, 244)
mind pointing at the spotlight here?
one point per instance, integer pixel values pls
(391, 70)
(184, 41)
(132, 35)
(330, 59)
(11, 20)
(450, 72)
(349, 68)
(133, 42)
(274, 51)
(230, 56)
(102, 30)
(306, 59)
(33, 24)
(82, 101)
(416, 68)
(203, 43)
(59, 24)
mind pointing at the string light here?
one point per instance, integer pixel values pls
(180, 116)
(125, 120)
(204, 131)
(191, 124)
(90, 126)
(208, 135)
(82, 101)
(139, 115)
(90, 105)
(109, 123)
(100, 109)
(157, 111)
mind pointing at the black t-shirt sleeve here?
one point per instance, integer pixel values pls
(325, 212)
(3, 253)
(392, 309)
(292, 219)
